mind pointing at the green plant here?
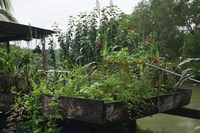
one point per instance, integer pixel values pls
(52, 52)
(117, 78)
(102, 57)
(197, 127)
(186, 74)
(16, 64)
(86, 37)
(22, 78)
(32, 105)
(15, 121)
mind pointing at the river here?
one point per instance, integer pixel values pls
(172, 123)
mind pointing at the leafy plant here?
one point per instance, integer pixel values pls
(52, 52)
(14, 66)
(32, 105)
(197, 127)
(102, 58)
(15, 121)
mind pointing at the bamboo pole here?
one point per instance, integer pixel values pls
(171, 72)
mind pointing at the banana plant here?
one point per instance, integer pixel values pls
(184, 75)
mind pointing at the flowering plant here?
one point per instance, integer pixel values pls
(15, 58)
(85, 37)
(122, 72)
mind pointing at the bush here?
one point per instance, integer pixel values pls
(191, 50)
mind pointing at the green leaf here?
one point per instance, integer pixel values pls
(52, 104)
(198, 127)
(92, 96)
(187, 60)
(182, 79)
(100, 91)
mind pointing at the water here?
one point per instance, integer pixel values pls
(172, 123)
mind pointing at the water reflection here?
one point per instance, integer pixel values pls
(175, 124)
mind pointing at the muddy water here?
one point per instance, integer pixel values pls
(172, 123)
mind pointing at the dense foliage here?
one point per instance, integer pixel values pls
(172, 20)
(105, 55)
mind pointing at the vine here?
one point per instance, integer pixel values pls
(27, 110)
(32, 106)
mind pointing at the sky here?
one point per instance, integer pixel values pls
(43, 13)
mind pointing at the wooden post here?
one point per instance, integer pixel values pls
(132, 126)
(8, 47)
(159, 85)
(44, 54)
(45, 61)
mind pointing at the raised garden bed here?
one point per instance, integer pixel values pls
(98, 112)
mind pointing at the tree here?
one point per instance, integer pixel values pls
(170, 19)
(5, 11)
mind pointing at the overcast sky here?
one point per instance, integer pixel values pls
(43, 13)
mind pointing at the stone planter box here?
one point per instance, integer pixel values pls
(6, 101)
(5, 80)
(98, 112)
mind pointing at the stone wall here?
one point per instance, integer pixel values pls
(5, 81)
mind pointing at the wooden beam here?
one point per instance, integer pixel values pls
(14, 31)
(185, 112)
(14, 38)
(20, 37)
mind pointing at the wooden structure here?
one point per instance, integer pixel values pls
(15, 32)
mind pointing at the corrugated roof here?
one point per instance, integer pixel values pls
(14, 31)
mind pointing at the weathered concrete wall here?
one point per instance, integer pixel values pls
(98, 112)
(88, 110)
(5, 81)
(6, 101)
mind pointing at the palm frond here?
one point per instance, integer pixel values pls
(187, 60)
(6, 5)
(8, 16)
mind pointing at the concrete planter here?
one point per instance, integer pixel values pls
(6, 101)
(98, 112)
